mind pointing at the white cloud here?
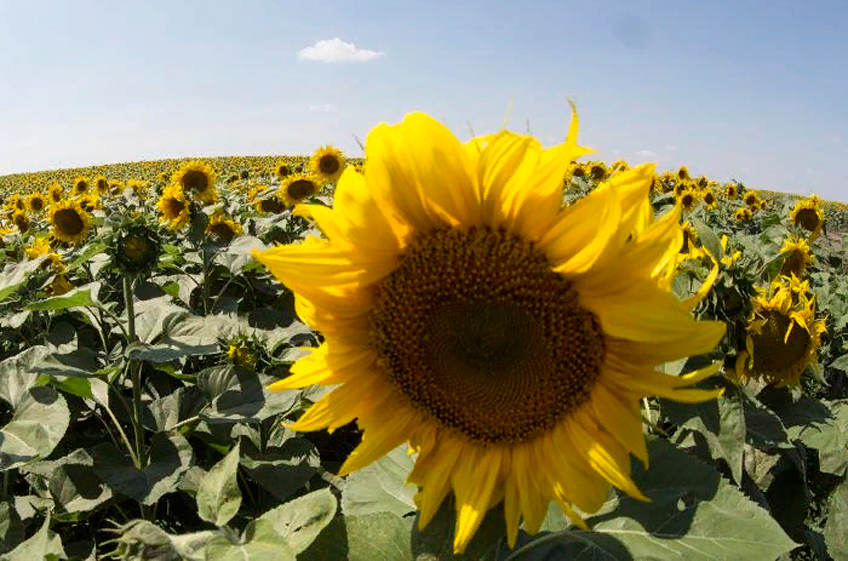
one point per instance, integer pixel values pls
(336, 50)
(324, 108)
(645, 154)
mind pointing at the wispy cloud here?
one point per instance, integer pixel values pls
(336, 50)
(324, 108)
(645, 154)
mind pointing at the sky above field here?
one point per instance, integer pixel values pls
(752, 91)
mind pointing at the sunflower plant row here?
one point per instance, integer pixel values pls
(480, 350)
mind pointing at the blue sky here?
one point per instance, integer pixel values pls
(751, 90)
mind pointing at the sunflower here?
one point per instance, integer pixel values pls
(135, 247)
(728, 259)
(683, 173)
(80, 185)
(90, 201)
(508, 340)
(21, 221)
(327, 164)
(598, 171)
(702, 182)
(578, 170)
(36, 202)
(16, 202)
(223, 227)
(688, 199)
(798, 256)
(239, 353)
(69, 221)
(197, 180)
(808, 215)
(619, 165)
(55, 192)
(752, 200)
(60, 285)
(282, 169)
(709, 198)
(744, 214)
(682, 185)
(270, 204)
(174, 207)
(783, 335)
(297, 188)
(101, 184)
(140, 188)
(690, 239)
(40, 246)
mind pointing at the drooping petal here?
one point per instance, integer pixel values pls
(474, 484)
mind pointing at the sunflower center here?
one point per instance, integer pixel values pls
(273, 205)
(174, 206)
(36, 204)
(475, 329)
(134, 247)
(808, 219)
(795, 263)
(300, 189)
(82, 187)
(68, 221)
(329, 164)
(223, 231)
(195, 181)
(772, 352)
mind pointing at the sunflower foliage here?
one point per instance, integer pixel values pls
(139, 344)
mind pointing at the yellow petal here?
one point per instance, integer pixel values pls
(503, 167)
(474, 484)
(384, 429)
(328, 366)
(534, 502)
(432, 472)
(620, 416)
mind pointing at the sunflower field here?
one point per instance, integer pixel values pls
(445, 350)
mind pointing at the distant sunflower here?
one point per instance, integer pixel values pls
(619, 165)
(224, 228)
(797, 256)
(744, 214)
(36, 202)
(783, 335)
(702, 182)
(197, 180)
(55, 192)
(683, 173)
(298, 188)
(282, 169)
(709, 198)
(731, 191)
(80, 185)
(69, 222)
(690, 239)
(577, 170)
(808, 214)
(270, 204)
(507, 339)
(101, 184)
(40, 246)
(688, 199)
(90, 201)
(174, 207)
(598, 171)
(683, 185)
(21, 221)
(752, 200)
(327, 164)
(140, 188)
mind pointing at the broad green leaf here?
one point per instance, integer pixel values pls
(16, 275)
(259, 542)
(436, 540)
(174, 408)
(829, 437)
(219, 497)
(170, 456)
(79, 297)
(12, 531)
(300, 521)
(39, 421)
(149, 541)
(151, 315)
(281, 470)
(841, 363)
(381, 486)
(836, 527)
(87, 253)
(240, 395)
(380, 536)
(708, 238)
(238, 253)
(72, 481)
(44, 544)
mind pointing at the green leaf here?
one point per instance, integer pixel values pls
(174, 408)
(79, 297)
(238, 254)
(281, 470)
(219, 497)
(694, 513)
(240, 395)
(16, 275)
(12, 531)
(836, 527)
(149, 541)
(259, 542)
(436, 540)
(170, 457)
(841, 363)
(381, 486)
(90, 251)
(829, 437)
(381, 536)
(40, 419)
(43, 544)
(72, 481)
(300, 521)
(708, 238)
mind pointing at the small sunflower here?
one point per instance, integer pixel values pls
(21, 221)
(809, 215)
(327, 164)
(36, 202)
(69, 222)
(136, 248)
(140, 188)
(683, 173)
(297, 188)
(240, 353)
(16, 202)
(55, 192)
(80, 185)
(783, 335)
(578, 170)
(197, 180)
(270, 204)
(798, 256)
(752, 200)
(60, 285)
(174, 207)
(40, 246)
(282, 169)
(702, 182)
(688, 199)
(224, 228)
(507, 339)
(101, 184)
(619, 165)
(731, 190)
(709, 198)
(683, 185)
(90, 201)
(744, 214)
(598, 171)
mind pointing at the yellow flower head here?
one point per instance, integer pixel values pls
(731, 190)
(598, 171)
(688, 198)
(282, 169)
(744, 214)
(197, 180)
(36, 202)
(55, 192)
(101, 184)
(506, 339)
(798, 256)
(297, 188)
(683, 173)
(327, 163)
(174, 207)
(727, 259)
(752, 200)
(21, 221)
(223, 227)
(808, 214)
(40, 246)
(709, 198)
(69, 222)
(783, 335)
(80, 185)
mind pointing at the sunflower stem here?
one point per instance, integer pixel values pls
(135, 376)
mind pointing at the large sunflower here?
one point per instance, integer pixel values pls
(508, 340)
(808, 214)
(197, 180)
(783, 334)
(327, 163)
(297, 188)
(174, 207)
(69, 221)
